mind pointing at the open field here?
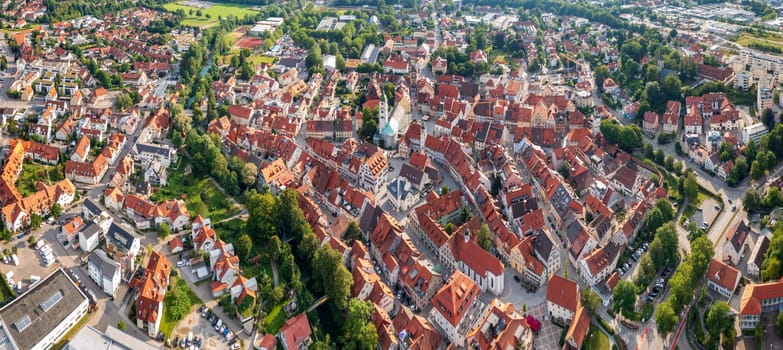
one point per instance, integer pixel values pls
(596, 339)
(209, 15)
(764, 42)
(201, 196)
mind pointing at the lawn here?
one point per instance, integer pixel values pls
(274, 319)
(596, 339)
(201, 195)
(32, 173)
(166, 324)
(224, 10)
(230, 231)
(761, 41)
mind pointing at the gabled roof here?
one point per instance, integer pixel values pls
(296, 330)
(563, 292)
(723, 275)
(454, 299)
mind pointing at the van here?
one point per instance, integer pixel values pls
(15, 259)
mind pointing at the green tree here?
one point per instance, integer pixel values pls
(261, 222)
(665, 319)
(663, 249)
(666, 209)
(625, 298)
(249, 174)
(591, 300)
(331, 276)
(352, 233)
(57, 210)
(751, 201)
(691, 187)
(444, 190)
(163, 230)
(672, 87)
(449, 228)
(35, 221)
(718, 319)
(244, 246)
(648, 150)
(121, 325)
(646, 272)
(359, 332)
(178, 301)
(483, 237)
(702, 252)
(756, 170)
(768, 118)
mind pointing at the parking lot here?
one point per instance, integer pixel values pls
(30, 264)
(706, 212)
(203, 329)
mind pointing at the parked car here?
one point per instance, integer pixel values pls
(516, 279)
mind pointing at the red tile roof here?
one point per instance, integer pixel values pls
(455, 298)
(563, 292)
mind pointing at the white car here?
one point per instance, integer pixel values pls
(181, 263)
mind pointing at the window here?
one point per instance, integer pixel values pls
(52, 301)
(22, 323)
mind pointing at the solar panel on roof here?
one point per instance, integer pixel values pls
(53, 300)
(22, 323)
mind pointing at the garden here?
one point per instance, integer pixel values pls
(201, 196)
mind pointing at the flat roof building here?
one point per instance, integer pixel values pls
(90, 338)
(41, 316)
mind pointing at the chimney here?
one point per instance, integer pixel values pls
(467, 235)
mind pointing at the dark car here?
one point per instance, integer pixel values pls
(516, 279)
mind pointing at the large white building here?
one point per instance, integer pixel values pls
(754, 132)
(39, 317)
(106, 272)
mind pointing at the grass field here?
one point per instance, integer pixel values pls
(201, 195)
(274, 320)
(166, 324)
(756, 40)
(209, 16)
(596, 339)
(32, 173)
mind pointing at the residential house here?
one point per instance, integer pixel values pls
(455, 307)
(156, 174)
(758, 299)
(202, 235)
(671, 118)
(296, 333)
(122, 246)
(562, 299)
(577, 331)
(734, 247)
(82, 150)
(722, 278)
(89, 173)
(104, 272)
(756, 259)
(145, 154)
(650, 123)
(150, 290)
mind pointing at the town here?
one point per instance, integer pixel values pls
(425, 174)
